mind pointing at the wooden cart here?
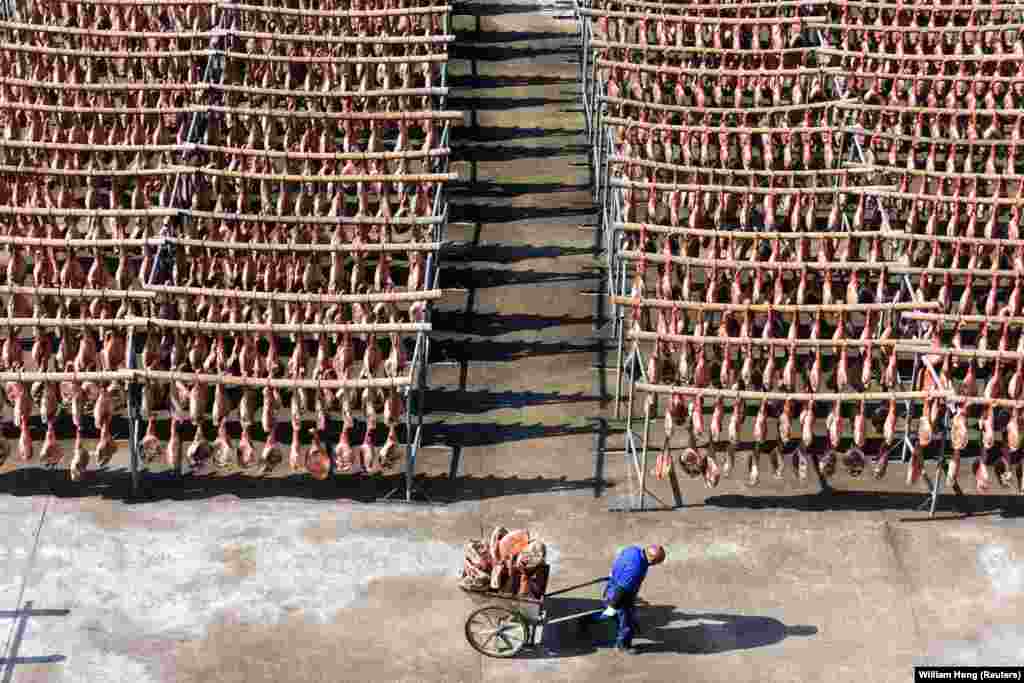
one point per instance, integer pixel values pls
(504, 624)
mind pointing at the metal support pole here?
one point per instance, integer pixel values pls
(652, 402)
(134, 414)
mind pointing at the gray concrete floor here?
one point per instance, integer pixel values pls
(225, 579)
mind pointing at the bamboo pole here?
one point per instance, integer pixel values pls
(942, 59)
(784, 396)
(753, 130)
(748, 235)
(689, 49)
(69, 147)
(302, 59)
(104, 87)
(330, 94)
(860, 106)
(341, 115)
(980, 241)
(337, 178)
(713, 171)
(102, 54)
(307, 220)
(98, 376)
(745, 111)
(700, 71)
(956, 318)
(280, 297)
(336, 156)
(336, 14)
(744, 189)
(980, 400)
(938, 141)
(772, 308)
(89, 173)
(689, 19)
(849, 73)
(923, 347)
(886, 191)
(823, 23)
(976, 272)
(74, 322)
(953, 7)
(121, 111)
(146, 375)
(720, 7)
(370, 39)
(304, 247)
(757, 265)
(280, 328)
(106, 33)
(943, 174)
(774, 341)
(85, 213)
(77, 293)
(153, 3)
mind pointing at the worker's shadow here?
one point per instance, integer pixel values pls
(668, 631)
(662, 629)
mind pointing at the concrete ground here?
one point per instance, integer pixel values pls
(226, 578)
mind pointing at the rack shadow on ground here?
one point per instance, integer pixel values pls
(468, 402)
(477, 154)
(510, 253)
(492, 325)
(873, 501)
(487, 351)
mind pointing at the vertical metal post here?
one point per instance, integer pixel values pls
(651, 402)
(134, 400)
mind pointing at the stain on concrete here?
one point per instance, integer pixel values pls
(993, 646)
(1005, 571)
(240, 560)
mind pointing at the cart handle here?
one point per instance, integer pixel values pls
(603, 579)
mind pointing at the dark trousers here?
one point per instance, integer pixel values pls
(625, 617)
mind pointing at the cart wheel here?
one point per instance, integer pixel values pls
(496, 631)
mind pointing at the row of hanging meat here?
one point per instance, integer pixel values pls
(815, 215)
(251, 195)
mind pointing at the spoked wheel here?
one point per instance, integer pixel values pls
(496, 631)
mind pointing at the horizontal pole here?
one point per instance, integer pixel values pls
(333, 94)
(746, 234)
(89, 173)
(952, 7)
(688, 19)
(259, 382)
(976, 272)
(956, 318)
(786, 396)
(369, 39)
(690, 49)
(774, 341)
(771, 308)
(823, 23)
(305, 220)
(860, 106)
(743, 189)
(339, 178)
(322, 156)
(77, 292)
(756, 265)
(943, 174)
(98, 376)
(947, 239)
(887, 191)
(307, 248)
(909, 57)
(678, 168)
(699, 71)
(341, 115)
(302, 59)
(844, 73)
(746, 111)
(336, 14)
(720, 7)
(280, 297)
(282, 328)
(631, 123)
(926, 348)
(84, 213)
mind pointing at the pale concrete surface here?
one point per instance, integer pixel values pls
(226, 578)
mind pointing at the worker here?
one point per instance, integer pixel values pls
(628, 574)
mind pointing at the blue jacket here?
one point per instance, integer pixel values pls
(630, 569)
